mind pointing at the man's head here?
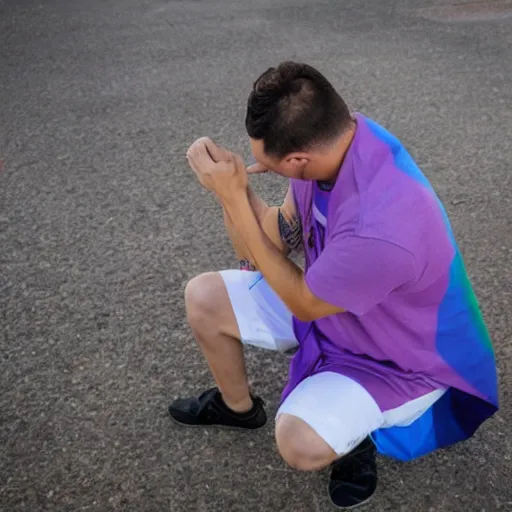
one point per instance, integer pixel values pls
(295, 120)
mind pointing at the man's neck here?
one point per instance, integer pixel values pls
(336, 156)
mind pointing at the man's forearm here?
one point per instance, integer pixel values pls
(284, 277)
(267, 217)
(239, 247)
(258, 205)
(260, 209)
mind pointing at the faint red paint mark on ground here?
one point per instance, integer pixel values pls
(471, 11)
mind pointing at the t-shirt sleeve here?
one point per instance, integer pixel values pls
(357, 273)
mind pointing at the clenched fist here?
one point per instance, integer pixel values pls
(217, 169)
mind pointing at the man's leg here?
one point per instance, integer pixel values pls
(326, 420)
(224, 310)
(215, 328)
(300, 446)
(323, 419)
(214, 325)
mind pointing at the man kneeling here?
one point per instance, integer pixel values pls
(392, 352)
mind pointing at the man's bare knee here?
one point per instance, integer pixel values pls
(199, 293)
(300, 446)
(208, 306)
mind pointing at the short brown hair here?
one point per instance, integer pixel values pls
(294, 107)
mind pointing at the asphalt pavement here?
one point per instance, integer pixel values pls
(102, 223)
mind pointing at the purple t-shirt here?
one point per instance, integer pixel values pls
(389, 259)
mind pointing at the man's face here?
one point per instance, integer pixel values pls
(291, 166)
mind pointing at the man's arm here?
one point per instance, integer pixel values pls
(272, 219)
(280, 224)
(353, 272)
(283, 275)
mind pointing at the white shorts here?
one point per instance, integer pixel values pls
(339, 409)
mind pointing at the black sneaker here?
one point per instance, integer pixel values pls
(354, 477)
(210, 410)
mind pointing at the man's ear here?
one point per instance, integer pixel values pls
(296, 162)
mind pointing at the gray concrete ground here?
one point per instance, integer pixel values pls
(102, 224)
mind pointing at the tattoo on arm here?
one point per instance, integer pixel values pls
(290, 231)
(247, 265)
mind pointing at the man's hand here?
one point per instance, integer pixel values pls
(217, 169)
